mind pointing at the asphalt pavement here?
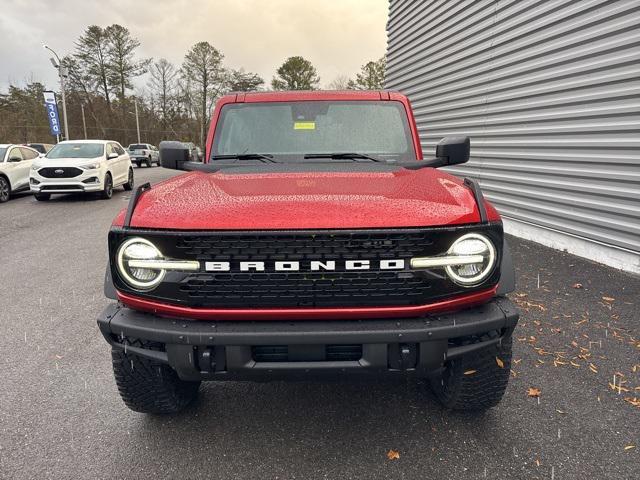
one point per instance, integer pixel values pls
(578, 344)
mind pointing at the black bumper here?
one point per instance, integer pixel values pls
(264, 350)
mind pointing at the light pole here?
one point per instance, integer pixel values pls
(135, 103)
(61, 73)
(84, 123)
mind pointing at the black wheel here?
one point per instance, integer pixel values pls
(148, 162)
(42, 197)
(129, 185)
(107, 191)
(5, 190)
(476, 381)
(138, 164)
(150, 387)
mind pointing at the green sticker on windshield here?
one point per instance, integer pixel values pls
(304, 125)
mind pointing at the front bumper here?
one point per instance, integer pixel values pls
(264, 350)
(87, 181)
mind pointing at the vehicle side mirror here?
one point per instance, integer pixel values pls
(173, 155)
(452, 151)
(15, 159)
(112, 155)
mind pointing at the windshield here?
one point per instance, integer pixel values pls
(3, 150)
(293, 129)
(76, 150)
(137, 146)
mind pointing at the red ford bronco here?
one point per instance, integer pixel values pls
(313, 240)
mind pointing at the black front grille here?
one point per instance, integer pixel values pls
(60, 172)
(306, 288)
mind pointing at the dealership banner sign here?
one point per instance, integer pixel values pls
(52, 113)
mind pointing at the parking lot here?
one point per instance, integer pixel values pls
(578, 343)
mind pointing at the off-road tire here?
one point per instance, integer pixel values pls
(107, 191)
(147, 386)
(130, 181)
(42, 197)
(484, 383)
(5, 190)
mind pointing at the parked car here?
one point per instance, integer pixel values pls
(41, 147)
(15, 162)
(82, 166)
(144, 153)
(327, 245)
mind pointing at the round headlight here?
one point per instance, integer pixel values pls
(139, 249)
(472, 245)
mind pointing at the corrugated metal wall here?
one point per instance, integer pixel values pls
(548, 91)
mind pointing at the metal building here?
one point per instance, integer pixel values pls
(549, 92)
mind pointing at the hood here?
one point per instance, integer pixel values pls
(306, 200)
(64, 161)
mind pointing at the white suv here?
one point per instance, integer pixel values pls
(81, 166)
(15, 161)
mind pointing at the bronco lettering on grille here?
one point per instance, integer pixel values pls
(296, 266)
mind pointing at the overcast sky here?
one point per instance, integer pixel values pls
(337, 36)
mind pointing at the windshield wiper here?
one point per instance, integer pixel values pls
(339, 156)
(264, 157)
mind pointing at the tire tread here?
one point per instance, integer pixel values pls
(150, 387)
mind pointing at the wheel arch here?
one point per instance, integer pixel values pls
(6, 177)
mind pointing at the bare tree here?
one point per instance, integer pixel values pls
(341, 82)
(163, 84)
(202, 68)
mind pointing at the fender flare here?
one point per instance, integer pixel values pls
(109, 288)
(507, 282)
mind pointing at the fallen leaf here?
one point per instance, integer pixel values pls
(470, 372)
(577, 285)
(393, 455)
(633, 401)
(499, 362)
(608, 299)
(561, 412)
(618, 388)
(534, 392)
(629, 447)
(593, 368)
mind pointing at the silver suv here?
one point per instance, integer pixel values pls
(144, 153)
